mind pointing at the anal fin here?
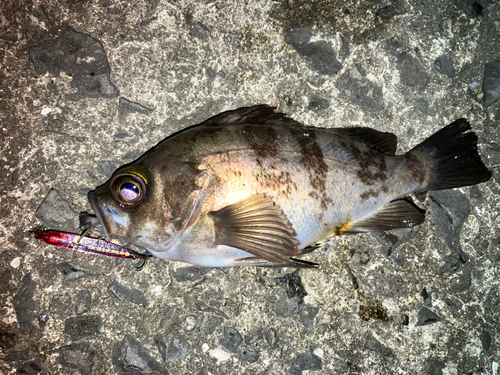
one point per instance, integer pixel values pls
(259, 227)
(394, 215)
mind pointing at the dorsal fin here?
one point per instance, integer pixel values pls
(383, 142)
(257, 115)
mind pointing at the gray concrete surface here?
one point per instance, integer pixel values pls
(87, 86)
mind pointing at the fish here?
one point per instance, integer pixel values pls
(253, 187)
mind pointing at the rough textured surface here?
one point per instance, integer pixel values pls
(90, 85)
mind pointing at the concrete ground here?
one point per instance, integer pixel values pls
(89, 85)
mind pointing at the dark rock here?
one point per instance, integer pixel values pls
(178, 349)
(405, 319)
(78, 356)
(463, 283)
(130, 357)
(247, 355)
(491, 82)
(161, 346)
(318, 55)
(472, 8)
(318, 104)
(304, 361)
(444, 65)
(43, 319)
(80, 56)
(307, 313)
(386, 12)
(82, 326)
(435, 366)
(210, 323)
(292, 283)
(123, 137)
(232, 339)
(31, 367)
(411, 72)
(83, 301)
(272, 338)
(126, 106)
(126, 294)
(485, 338)
(360, 91)
(189, 273)
(25, 305)
(426, 317)
(426, 297)
(371, 343)
(106, 168)
(56, 213)
(69, 272)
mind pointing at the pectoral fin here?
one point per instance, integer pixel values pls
(256, 225)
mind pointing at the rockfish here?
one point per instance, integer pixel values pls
(252, 187)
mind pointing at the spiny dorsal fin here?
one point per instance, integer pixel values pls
(257, 115)
(256, 225)
(394, 215)
(383, 142)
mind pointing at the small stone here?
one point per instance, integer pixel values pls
(371, 343)
(56, 213)
(126, 106)
(444, 65)
(220, 355)
(205, 348)
(189, 273)
(16, 262)
(411, 71)
(127, 294)
(189, 323)
(272, 338)
(426, 317)
(491, 82)
(246, 355)
(131, 357)
(303, 362)
(69, 272)
(25, 305)
(132, 155)
(178, 349)
(43, 319)
(83, 301)
(485, 338)
(474, 86)
(123, 137)
(78, 356)
(31, 367)
(82, 326)
(319, 352)
(232, 339)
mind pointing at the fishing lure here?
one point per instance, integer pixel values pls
(85, 244)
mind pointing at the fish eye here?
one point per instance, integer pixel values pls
(128, 189)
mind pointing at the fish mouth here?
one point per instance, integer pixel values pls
(96, 222)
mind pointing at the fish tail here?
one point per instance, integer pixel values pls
(453, 158)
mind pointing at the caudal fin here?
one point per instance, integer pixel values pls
(453, 158)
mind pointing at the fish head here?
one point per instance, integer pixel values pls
(150, 203)
(132, 206)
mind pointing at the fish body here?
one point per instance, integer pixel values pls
(253, 187)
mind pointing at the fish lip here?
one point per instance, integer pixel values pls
(93, 204)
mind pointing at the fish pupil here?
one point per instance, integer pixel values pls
(129, 191)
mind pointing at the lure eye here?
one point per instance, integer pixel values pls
(128, 189)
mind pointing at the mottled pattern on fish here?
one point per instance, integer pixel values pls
(315, 182)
